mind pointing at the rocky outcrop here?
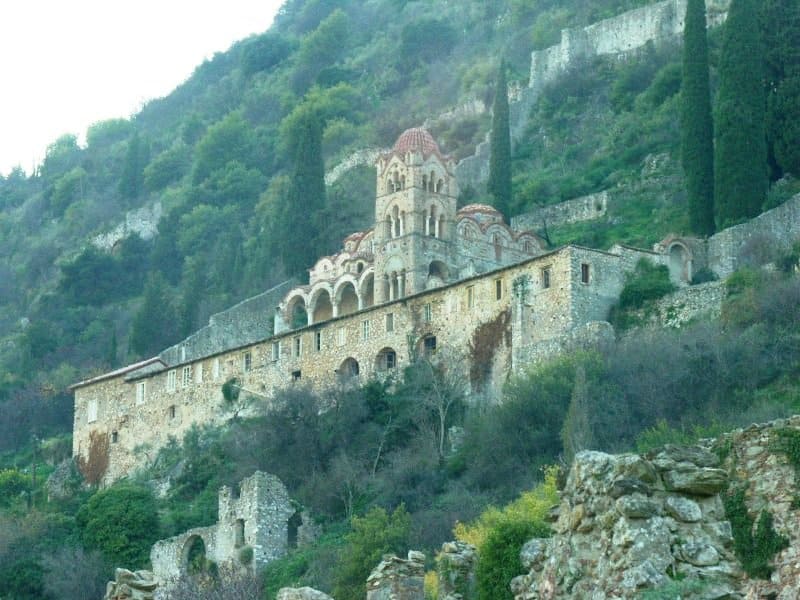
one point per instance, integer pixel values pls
(128, 585)
(397, 578)
(628, 523)
(455, 567)
(303, 593)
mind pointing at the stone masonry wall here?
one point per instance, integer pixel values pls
(779, 227)
(397, 578)
(170, 400)
(686, 304)
(585, 208)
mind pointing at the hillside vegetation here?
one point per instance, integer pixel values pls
(217, 155)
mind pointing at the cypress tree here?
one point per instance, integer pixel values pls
(300, 222)
(740, 149)
(697, 128)
(131, 183)
(500, 160)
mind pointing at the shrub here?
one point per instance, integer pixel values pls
(499, 562)
(754, 550)
(703, 275)
(12, 485)
(648, 282)
(373, 535)
(230, 390)
(122, 523)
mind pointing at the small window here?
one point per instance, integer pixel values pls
(391, 360)
(341, 336)
(141, 389)
(91, 411)
(471, 296)
(172, 412)
(114, 437)
(389, 322)
(498, 289)
(527, 247)
(318, 341)
(186, 376)
(276, 351)
(584, 273)
(296, 375)
(198, 373)
(546, 277)
(247, 362)
(365, 330)
(215, 369)
(297, 346)
(172, 377)
(429, 344)
(427, 313)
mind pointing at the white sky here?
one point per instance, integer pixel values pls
(65, 64)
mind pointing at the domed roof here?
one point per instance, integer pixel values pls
(416, 139)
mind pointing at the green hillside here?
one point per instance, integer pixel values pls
(217, 155)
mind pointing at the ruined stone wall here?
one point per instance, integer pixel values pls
(585, 208)
(189, 392)
(779, 227)
(397, 578)
(141, 221)
(686, 304)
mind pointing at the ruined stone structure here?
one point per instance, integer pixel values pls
(628, 523)
(585, 208)
(455, 570)
(128, 585)
(256, 524)
(398, 578)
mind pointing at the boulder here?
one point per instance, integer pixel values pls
(699, 481)
(303, 593)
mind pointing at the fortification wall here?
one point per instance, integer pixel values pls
(244, 323)
(585, 208)
(779, 228)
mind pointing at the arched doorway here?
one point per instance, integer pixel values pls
(322, 307)
(193, 556)
(349, 369)
(348, 299)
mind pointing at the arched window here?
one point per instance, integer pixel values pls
(439, 186)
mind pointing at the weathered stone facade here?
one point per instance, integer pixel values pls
(253, 529)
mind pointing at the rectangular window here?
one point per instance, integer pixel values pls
(114, 437)
(186, 376)
(198, 373)
(276, 351)
(341, 336)
(391, 360)
(498, 289)
(140, 392)
(365, 330)
(296, 375)
(546, 277)
(584, 273)
(172, 412)
(318, 341)
(389, 322)
(427, 313)
(471, 296)
(430, 344)
(247, 362)
(297, 345)
(215, 369)
(172, 379)
(91, 411)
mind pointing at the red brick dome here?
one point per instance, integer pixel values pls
(416, 139)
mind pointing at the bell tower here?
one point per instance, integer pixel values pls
(415, 211)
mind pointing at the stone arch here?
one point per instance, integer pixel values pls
(349, 369)
(427, 345)
(296, 312)
(437, 274)
(680, 262)
(193, 555)
(468, 229)
(386, 360)
(346, 297)
(366, 288)
(321, 305)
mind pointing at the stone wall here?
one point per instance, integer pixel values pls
(686, 304)
(585, 208)
(397, 578)
(142, 222)
(455, 570)
(244, 323)
(779, 228)
(359, 158)
(629, 523)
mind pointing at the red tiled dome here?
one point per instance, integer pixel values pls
(416, 139)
